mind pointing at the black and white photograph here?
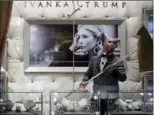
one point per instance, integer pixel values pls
(47, 43)
(62, 45)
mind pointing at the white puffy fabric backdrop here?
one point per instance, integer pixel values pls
(56, 82)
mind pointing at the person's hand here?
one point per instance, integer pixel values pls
(82, 86)
(112, 69)
(74, 47)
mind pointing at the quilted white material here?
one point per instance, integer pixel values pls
(16, 73)
(15, 12)
(133, 25)
(16, 28)
(130, 86)
(14, 87)
(133, 8)
(132, 71)
(58, 82)
(147, 4)
(15, 50)
(132, 46)
(130, 90)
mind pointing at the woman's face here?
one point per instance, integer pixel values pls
(85, 41)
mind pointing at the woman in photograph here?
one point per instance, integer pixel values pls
(87, 43)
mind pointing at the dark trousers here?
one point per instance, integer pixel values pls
(104, 105)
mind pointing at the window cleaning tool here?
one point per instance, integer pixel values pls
(103, 71)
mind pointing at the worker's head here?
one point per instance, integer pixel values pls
(109, 45)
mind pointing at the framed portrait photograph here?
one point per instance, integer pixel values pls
(148, 20)
(67, 45)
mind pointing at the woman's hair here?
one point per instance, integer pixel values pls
(103, 37)
(100, 38)
(96, 30)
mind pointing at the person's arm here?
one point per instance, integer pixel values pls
(120, 72)
(89, 73)
(87, 76)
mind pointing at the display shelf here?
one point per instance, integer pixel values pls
(20, 113)
(22, 103)
(136, 105)
(130, 113)
(76, 113)
(75, 104)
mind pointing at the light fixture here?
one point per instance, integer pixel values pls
(52, 113)
(129, 100)
(95, 97)
(56, 94)
(150, 94)
(54, 99)
(151, 99)
(142, 94)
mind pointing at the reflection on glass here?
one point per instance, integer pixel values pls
(46, 43)
(150, 25)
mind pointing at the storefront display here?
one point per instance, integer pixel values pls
(25, 106)
(67, 106)
(73, 104)
(138, 104)
(49, 47)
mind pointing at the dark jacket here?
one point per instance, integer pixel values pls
(108, 81)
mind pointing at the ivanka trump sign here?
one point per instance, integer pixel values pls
(78, 4)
